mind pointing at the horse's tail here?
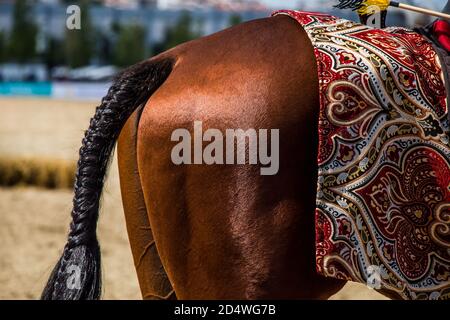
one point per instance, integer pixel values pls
(77, 274)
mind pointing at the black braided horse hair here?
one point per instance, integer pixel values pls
(77, 275)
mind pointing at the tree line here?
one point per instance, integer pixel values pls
(125, 45)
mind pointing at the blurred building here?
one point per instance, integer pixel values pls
(51, 17)
(235, 5)
(130, 4)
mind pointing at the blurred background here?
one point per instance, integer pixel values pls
(52, 77)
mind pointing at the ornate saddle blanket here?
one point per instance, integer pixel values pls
(383, 197)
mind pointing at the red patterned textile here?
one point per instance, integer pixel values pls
(383, 198)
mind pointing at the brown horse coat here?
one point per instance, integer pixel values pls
(225, 231)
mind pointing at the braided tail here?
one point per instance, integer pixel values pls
(77, 275)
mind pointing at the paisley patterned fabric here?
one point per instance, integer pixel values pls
(383, 198)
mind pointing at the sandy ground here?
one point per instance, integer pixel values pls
(34, 222)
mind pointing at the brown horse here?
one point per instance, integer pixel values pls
(207, 231)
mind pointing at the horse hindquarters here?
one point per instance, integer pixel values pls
(151, 275)
(226, 232)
